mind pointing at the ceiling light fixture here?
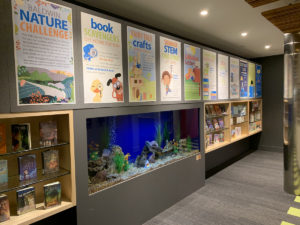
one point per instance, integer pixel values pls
(203, 12)
(267, 46)
(244, 34)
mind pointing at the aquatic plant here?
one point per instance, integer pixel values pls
(119, 161)
(189, 143)
(175, 149)
(178, 133)
(158, 136)
(166, 136)
(126, 165)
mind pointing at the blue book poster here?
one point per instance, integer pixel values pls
(258, 81)
(243, 79)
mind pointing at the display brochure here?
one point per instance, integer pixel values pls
(20, 134)
(3, 172)
(43, 44)
(4, 208)
(221, 122)
(258, 81)
(50, 161)
(243, 79)
(25, 200)
(234, 78)
(216, 124)
(209, 75)
(210, 125)
(222, 76)
(216, 138)
(48, 133)
(192, 73)
(251, 80)
(101, 59)
(141, 65)
(2, 139)
(170, 69)
(52, 194)
(27, 167)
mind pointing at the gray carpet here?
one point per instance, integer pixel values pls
(249, 192)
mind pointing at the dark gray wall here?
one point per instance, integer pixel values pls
(273, 70)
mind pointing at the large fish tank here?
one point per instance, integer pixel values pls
(122, 147)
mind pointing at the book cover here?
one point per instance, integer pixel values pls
(222, 137)
(50, 161)
(216, 124)
(257, 116)
(27, 167)
(217, 109)
(52, 194)
(48, 133)
(25, 200)
(3, 173)
(2, 139)
(238, 131)
(221, 123)
(20, 134)
(209, 139)
(4, 208)
(211, 107)
(216, 138)
(210, 125)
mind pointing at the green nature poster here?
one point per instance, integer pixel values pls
(192, 73)
(251, 80)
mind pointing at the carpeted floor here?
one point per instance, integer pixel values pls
(249, 192)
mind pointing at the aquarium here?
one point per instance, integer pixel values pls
(122, 147)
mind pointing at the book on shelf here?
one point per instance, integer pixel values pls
(3, 172)
(242, 110)
(233, 133)
(212, 110)
(207, 110)
(257, 116)
(240, 119)
(206, 126)
(20, 134)
(210, 125)
(48, 133)
(2, 139)
(221, 137)
(25, 200)
(50, 161)
(221, 123)
(252, 126)
(251, 117)
(52, 194)
(216, 138)
(238, 131)
(235, 110)
(4, 208)
(223, 109)
(27, 167)
(216, 124)
(217, 109)
(209, 139)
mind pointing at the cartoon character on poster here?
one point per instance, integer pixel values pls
(166, 80)
(117, 87)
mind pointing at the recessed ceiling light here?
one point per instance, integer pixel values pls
(203, 12)
(244, 34)
(267, 46)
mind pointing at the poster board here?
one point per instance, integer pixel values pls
(258, 81)
(170, 69)
(251, 80)
(209, 75)
(141, 65)
(101, 60)
(222, 77)
(192, 73)
(43, 47)
(243, 79)
(234, 78)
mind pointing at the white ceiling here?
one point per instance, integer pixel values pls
(220, 29)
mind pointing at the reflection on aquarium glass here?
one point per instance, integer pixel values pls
(121, 147)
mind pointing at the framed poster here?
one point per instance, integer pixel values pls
(192, 73)
(243, 79)
(43, 46)
(234, 78)
(258, 81)
(101, 60)
(209, 75)
(222, 76)
(170, 69)
(251, 80)
(141, 65)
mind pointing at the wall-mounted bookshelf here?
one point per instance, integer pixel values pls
(235, 121)
(65, 173)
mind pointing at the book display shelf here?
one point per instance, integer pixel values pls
(228, 122)
(25, 135)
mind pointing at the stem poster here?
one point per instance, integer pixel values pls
(258, 81)
(251, 80)
(209, 75)
(101, 59)
(234, 78)
(141, 65)
(222, 76)
(170, 69)
(192, 74)
(43, 44)
(244, 79)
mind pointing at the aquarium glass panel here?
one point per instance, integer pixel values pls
(122, 147)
